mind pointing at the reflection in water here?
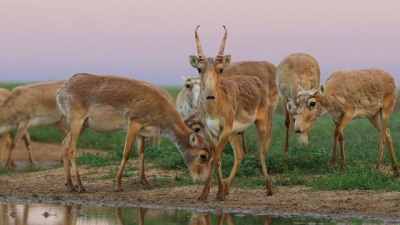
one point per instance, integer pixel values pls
(43, 214)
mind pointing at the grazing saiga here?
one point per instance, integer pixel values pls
(110, 103)
(348, 95)
(296, 73)
(230, 105)
(28, 106)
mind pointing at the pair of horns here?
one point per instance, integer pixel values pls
(200, 49)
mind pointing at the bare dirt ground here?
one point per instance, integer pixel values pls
(46, 153)
(48, 185)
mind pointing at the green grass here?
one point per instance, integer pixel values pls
(29, 168)
(309, 167)
(363, 178)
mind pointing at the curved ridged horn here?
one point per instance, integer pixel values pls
(222, 48)
(198, 44)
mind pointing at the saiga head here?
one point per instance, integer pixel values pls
(192, 90)
(195, 122)
(307, 110)
(197, 157)
(210, 68)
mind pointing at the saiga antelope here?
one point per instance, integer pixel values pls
(230, 105)
(187, 104)
(266, 72)
(296, 73)
(348, 95)
(118, 103)
(188, 97)
(29, 106)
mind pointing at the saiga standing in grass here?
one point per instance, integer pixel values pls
(348, 95)
(296, 73)
(230, 105)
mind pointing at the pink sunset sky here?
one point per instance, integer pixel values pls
(151, 40)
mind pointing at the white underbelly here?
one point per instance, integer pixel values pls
(243, 121)
(43, 120)
(239, 126)
(101, 125)
(149, 131)
(105, 119)
(366, 112)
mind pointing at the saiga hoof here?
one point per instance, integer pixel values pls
(147, 185)
(220, 197)
(71, 188)
(343, 167)
(118, 189)
(396, 169)
(202, 198)
(82, 190)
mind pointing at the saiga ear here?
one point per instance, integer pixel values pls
(193, 140)
(226, 60)
(194, 61)
(300, 89)
(184, 79)
(291, 108)
(322, 89)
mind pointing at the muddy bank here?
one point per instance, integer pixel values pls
(297, 200)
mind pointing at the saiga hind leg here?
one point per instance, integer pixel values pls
(385, 114)
(27, 141)
(270, 125)
(261, 125)
(76, 129)
(22, 129)
(6, 146)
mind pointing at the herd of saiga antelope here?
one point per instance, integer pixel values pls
(220, 104)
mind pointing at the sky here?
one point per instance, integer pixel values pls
(47, 40)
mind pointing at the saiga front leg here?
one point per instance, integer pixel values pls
(140, 147)
(133, 129)
(238, 153)
(216, 161)
(288, 123)
(338, 136)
